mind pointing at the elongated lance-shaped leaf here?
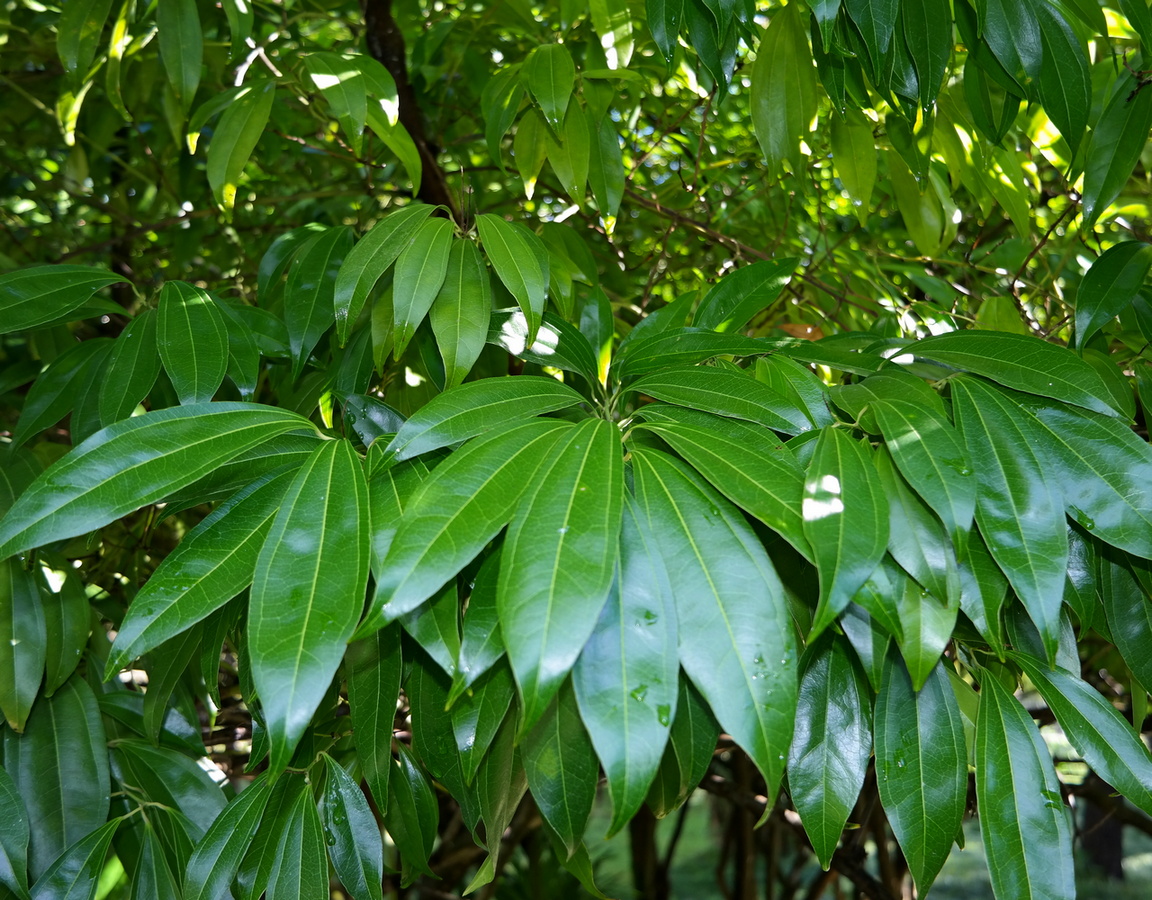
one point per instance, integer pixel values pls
(570, 157)
(192, 340)
(1118, 138)
(725, 393)
(339, 78)
(152, 879)
(309, 308)
(1019, 506)
(412, 815)
(558, 560)
(512, 251)
(80, 29)
(373, 667)
(181, 47)
(39, 295)
(300, 871)
(366, 262)
(23, 641)
(741, 294)
(1128, 611)
(481, 643)
(420, 271)
(235, 137)
(664, 18)
(926, 624)
(930, 455)
(308, 591)
(1110, 285)
(76, 872)
(558, 344)
(626, 679)
(60, 768)
(477, 716)
(462, 311)
(259, 856)
(833, 742)
(1097, 730)
(170, 779)
(389, 491)
(749, 467)
(1022, 362)
(684, 346)
(561, 768)
(845, 520)
(1104, 470)
(433, 738)
(358, 853)
(691, 743)
(13, 838)
(216, 857)
(549, 74)
(1022, 819)
(212, 564)
(467, 501)
(132, 368)
(478, 407)
(783, 91)
(921, 766)
(736, 638)
(57, 389)
(133, 463)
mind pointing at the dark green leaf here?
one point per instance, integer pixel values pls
(41, 295)
(558, 344)
(192, 340)
(550, 75)
(1065, 82)
(682, 346)
(461, 312)
(783, 89)
(1129, 612)
(420, 272)
(481, 643)
(216, 858)
(876, 20)
(1110, 285)
(152, 879)
(309, 307)
(741, 294)
(691, 744)
(132, 368)
(412, 815)
(172, 780)
(605, 168)
(13, 838)
(75, 875)
(1117, 141)
(928, 32)
(23, 641)
(357, 853)
(79, 31)
(181, 42)
(57, 389)
(373, 668)
(664, 18)
(300, 871)
(235, 138)
(515, 254)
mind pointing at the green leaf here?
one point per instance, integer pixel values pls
(691, 743)
(358, 853)
(300, 871)
(612, 20)
(308, 591)
(169, 448)
(783, 90)
(845, 520)
(558, 560)
(1129, 612)
(235, 138)
(876, 20)
(369, 259)
(13, 838)
(725, 393)
(132, 368)
(550, 75)
(1019, 510)
(420, 271)
(338, 77)
(1022, 819)
(241, 18)
(570, 157)
(928, 31)
(479, 407)
(170, 779)
(152, 879)
(57, 389)
(756, 473)
(736, 638)
(373, 668)
(561, 768)
(461, 312)
(1022, 362)
(500, 783)
(467, 501)
(397, 139)
(930, 455)
(75, 875)
(664, 18)
(23, 641)
(1012, 30)
(192, 340)
(411, 816)
(741, 294)
(259, 856)
(926, 624)
(309, 307)
(854, 155)
(1139, 17)
(435, 625)
(921, 767)
(512, 250)
(478, 717)
(1115, 146)
(499, 104)
(216, 858)
(558, 344)
(1065, 82)
(78, 33)
(60, 768)
(833, 742)
(181, 42)
(481, 644)
(605, 168)
(682, 346)
(1110, 285)
(44, 295)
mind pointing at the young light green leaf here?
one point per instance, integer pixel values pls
(78, 32)
(309, 307)
(181, 42)
(13, 838)
(366, 262)
(854, 155)
(1020, 512)
(561, 768)
(736, 640)
(235, 138)
(1117, 141)
(833, 741)
(169, 449)
(550, 76)
(41, 295)
(461, 312)
(300, 871)
(1110, 285)
(420, 271)
(75, 875)
(192, 340)
(921, 766)
(1022, 818)
(216, 858)
(743, 293)
(373, 668)
(358, 853)
(132, 368)
(308, 591)
(570, 156)
(783, 88)
(845, 520)
(60, 768)
(558, 560)
(23, 641)
(512, 250)
(612, 20)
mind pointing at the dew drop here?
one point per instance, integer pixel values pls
(664, 714)
(639, 693)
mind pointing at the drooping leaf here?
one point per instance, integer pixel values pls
(741, 294)
(1115, 146)
(1065, 82)
(513, 252)
(300, 870)
(928, 32)
(373, 670)
(550, 75)
(412, 815)
(358, 853)
(558, 344)
(1110, 285)
(153, 880)
(57, 389)
(691, 743)
(876, 20)
(339, 79)
(420, 271)
(605, 168)
(664, 18)
(783, 88)
(23, 641)
(570, 158)
(1128, 611)
(235, 137)
(854, 153)
(172, 780)
(309, 307)
(216, 857)
(461, 312)
(612, 20)
(133, 367)
(181, 47)
(79, 30)
(192, 340)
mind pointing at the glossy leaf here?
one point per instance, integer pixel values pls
(153, 880)
(876, 20)
(1065, 82)
(558, 344)
(75, 875)
(1019, 507)
(132, 368)
(339, 79)
(681, 346)
(1022, 819)
(478, 718)
(309, 308)
(1110, 285)
(845, 518)
(832, 745)
(570, 157)
(60, 768)
(216, 857)
(1115, 146)
(461, 312)
(80, 28)
(550, 75)
(235, 137)
(308, 591)
(358, 853)
(23, 641)
(664, 18)
(40, 295)
(173, 780)
(520, 261)
(420, 271)
(605, 168)
(921, 766)
(928, 31)
(691, 743)
(56, 390)
(192, 340)
(373, 669)
(558, 560)
(13, 838)
(411, 815)
(736, 642)
(783, 88)
(741, 294)
(300, 871)
(181, 46)
(1128, 611)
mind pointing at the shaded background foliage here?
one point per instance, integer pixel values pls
(929, 169)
